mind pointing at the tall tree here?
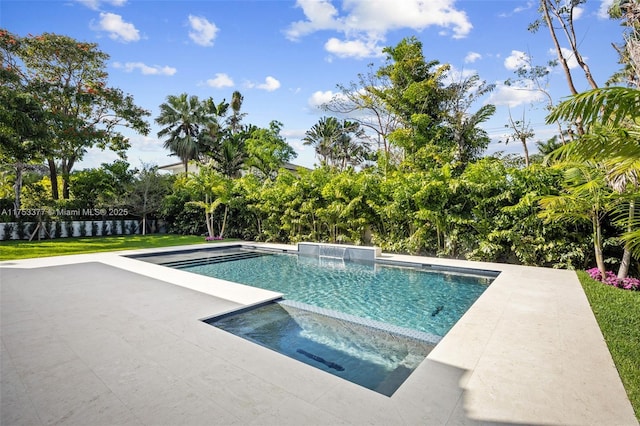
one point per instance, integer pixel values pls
(235, 119)
(418, 96)
(559, 16)
(586, 197)
(268, 150)
(469, 139)
(337, 143)
(522, 132)
(69, 79)
(147, 193)
(362, 102)
(23, 121)
(629, 50)
(184, 119)
(322, 136)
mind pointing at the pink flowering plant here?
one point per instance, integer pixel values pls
(210, 238)
(611, 279)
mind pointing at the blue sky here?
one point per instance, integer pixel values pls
(286, 57)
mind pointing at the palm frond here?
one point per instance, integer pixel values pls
(609, 105)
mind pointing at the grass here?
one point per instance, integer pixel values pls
(14, 249)
(618, 314)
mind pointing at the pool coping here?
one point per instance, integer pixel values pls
(528, 351)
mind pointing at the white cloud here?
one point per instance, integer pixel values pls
(270, 84)
(518, 9)
(353, 48)
(220, 80)
(516, 60)
(202, 31)
(95, 4)
(523, 92)
(454, 75)
(118, 29)
(365, 23)
(472, 57)
(146, 69)
(319, 98)
(572, 62)
(320, 16)
(603, 11)
(577, 12)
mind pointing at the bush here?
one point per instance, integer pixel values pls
(58, 229)
(8, 231)
(94, 229)
(20, 230)
(68, 227)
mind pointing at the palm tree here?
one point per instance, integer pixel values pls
(217, 190)
(236, 116)
(183, 118)
(322, 136)
(586, 197)
(337, 143)
(612, 116)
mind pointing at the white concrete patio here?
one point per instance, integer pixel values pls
(105, 340)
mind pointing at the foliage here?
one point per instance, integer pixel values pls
(145, 197)
(105, 186)
(7, 231)
(267, 150)
(184, 119)
(338, 143)
(69, 79)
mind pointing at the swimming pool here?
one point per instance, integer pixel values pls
(365, 320)
(370, 357)
(410, 297)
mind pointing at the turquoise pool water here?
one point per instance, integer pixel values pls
(372, 358)
(427, 301)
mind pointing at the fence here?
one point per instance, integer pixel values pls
(71, 228)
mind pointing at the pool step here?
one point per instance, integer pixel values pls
(185, 263)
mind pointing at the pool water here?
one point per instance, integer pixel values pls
(414, 298)
(375, 359)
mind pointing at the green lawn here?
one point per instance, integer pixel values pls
(11, 250)
(618, 314)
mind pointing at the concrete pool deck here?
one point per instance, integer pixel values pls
(102, 339)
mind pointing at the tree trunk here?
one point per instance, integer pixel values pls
(626, 256)
(554, 37)
(224, 221)
(208, 216)
(17, 187)
(597, 246)
(526, 152)
(53, 175)
(67, 165)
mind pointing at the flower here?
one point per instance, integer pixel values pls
(611, 279)
(210, 238)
